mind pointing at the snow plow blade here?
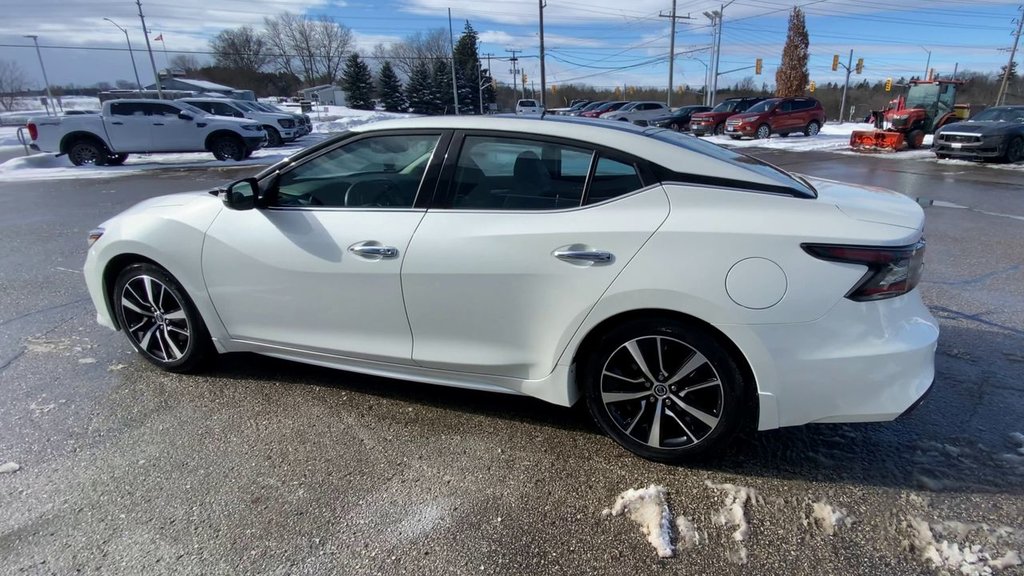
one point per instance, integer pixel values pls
(876, 140)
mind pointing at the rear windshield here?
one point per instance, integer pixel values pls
(527, 103)
(777, 176)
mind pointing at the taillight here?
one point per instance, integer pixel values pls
(892, 271)
(33, 132)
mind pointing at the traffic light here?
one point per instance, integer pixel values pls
(835, 62)
(888, 84)
(524, 78)
(812, 86)
(860, 65)
(554, 88)
(757, 66)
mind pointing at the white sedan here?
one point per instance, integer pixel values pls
(685, 292)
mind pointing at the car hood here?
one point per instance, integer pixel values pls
(984, 128)
(711, 115)
(231, 119)
(169, 201)
(870, 204)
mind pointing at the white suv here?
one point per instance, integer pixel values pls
(280, 126)
(528, 106)
(638, 111)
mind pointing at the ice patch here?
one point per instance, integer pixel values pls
(648, 508)
(86, 360)
(963, 557)
(828, 518)
(9, 468)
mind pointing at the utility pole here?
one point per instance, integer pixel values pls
(130, 53)
(149, 48)
(842, 103)
(514, 70)
(49, 95)
(543, 82)
(716, 22)
(451, 38)
(1001, 97)
(927, 64)
(672, 49)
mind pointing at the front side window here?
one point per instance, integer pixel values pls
(373, 172)
(498, 173)
(762, 107)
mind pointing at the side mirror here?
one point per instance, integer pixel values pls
(184, 116)
(242, 194)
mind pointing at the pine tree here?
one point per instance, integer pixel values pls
(357, 82)
(791, 78)
(419, 91)
(1013, 71)
(442, 100)
(467, 69)
(390, 89)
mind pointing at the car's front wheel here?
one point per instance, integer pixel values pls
(1014, 150)
(159, 318)
(763, 131)
(273, 137)
(812, 128)
(228, 148)
(664, 389)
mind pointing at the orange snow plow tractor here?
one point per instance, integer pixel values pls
(924, 108)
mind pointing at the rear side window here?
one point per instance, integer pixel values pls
(153, 109)
(612, 178)
(127, 109)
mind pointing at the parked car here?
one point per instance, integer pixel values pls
(569, 109)
(589, 107)
(713, 122)
(996, 132)
(140, 127)
(280, 127)
(678, 119)
(637, 111)
(782, 116)
(528, 106)
(603, 108)
(547, 258)
(304, 122)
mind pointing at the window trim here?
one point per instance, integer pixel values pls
(445, 187)
(269, 178)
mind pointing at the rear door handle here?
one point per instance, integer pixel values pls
(118, 123)
(373, 250)
(575, 255)
(158, 123)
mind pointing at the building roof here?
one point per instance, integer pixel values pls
(319, 88)
(204, 85)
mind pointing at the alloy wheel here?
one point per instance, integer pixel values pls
(662, 392)
(155, 319)
(764, 131)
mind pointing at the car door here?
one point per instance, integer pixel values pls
(170, 132)
(129, 127)
(785, 118)
(317, 267)
(507, 264)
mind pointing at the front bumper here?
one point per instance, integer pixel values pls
(701, 129)
(861, 362)
(986, 148)
(94, 284)
(741, 130)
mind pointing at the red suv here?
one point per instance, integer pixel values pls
(713, 122)
(782, 116)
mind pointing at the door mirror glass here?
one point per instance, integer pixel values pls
(242, 195)
(184, 115)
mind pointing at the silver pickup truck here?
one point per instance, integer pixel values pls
(140, 127)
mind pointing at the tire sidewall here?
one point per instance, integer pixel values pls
(813, 129)
(198, 349)
(99, 155)
(1019, 143)
(219, 151)
(766, 129)
(736, 392)
(273, 137)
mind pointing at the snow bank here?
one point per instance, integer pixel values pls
(828, 518)
(648, 508)
(340, 118)
(963, 557)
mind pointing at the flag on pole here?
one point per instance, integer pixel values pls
(159, 38)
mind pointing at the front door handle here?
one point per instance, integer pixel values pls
(373, 250)
(578, 255)
(158, 123)
(118, 123)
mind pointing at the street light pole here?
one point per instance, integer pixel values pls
(149, 48)
(130, 53)
(928, 64)
(49, 96)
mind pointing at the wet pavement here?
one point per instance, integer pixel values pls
(265, 466)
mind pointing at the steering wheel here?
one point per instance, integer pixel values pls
(378, 193)
(308, 199)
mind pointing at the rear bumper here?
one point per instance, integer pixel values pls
(861, 362)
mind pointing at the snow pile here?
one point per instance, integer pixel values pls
(828, 518)
(831, 137)
(689, 537)
(964, 557)
(9, 468)
(648, 508)
(1018, 439)
(733, 514)
(340, 118)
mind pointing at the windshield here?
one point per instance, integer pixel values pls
(686, 110)
(727, 106)
(246, 106)
(761, 107)
(593, 106)
(748, 163)
(628, 107)
(922, 95)
(1015, 114)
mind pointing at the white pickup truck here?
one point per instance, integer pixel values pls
(143, 126)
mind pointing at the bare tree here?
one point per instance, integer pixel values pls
(422, 46)
(241, 48)
(12, 82)
(313, 49)
(333, 41)
(186, 63)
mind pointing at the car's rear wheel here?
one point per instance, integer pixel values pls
(228, 148)
(675, 126)
(86, 152)
(1014, 150)
(763, 131)
(159, 318)
(664, 389)
(273, 137)
(116, 159)
(812, 128)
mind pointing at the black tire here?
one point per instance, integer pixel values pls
(720, 129)
(914, 138)
(116, 159)
(161, 322)
(675, 127)
(735, 137)
(1014, 150)
(783, 134)
(763, 131)
(273, 137)
(226, 148)
(248, 153)
(710, 418)
(942, 156)
(812, 128)
(87, 152)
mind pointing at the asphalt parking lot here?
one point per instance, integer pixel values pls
(265, 466)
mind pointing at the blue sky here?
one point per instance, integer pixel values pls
(599, 42)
